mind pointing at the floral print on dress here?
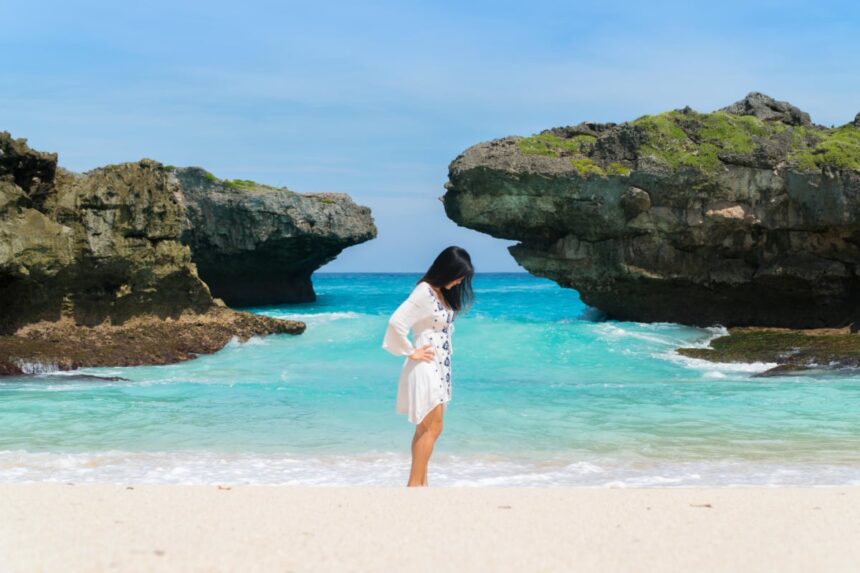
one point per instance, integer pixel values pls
(443, 351)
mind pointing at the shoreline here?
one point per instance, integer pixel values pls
(389, 469)
(56, 527)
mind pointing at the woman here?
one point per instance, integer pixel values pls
(424, 391)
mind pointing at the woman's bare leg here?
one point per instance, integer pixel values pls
(441, 416)
(420, 430)
(423, 441)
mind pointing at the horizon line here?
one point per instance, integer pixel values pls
(414, 273)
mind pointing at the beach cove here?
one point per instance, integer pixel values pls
(212, 215)
(544, 394)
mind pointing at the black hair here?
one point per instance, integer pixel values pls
(451, 264)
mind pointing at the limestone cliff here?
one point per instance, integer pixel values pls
(95, 247)
(92, 271)
(749, 215)
(254, 244)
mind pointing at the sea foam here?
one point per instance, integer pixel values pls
(392, 469)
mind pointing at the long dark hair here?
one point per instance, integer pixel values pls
(450, 265)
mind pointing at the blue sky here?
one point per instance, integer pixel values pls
(376, 98)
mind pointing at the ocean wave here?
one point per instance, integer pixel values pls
(93, 379)
(235, 342)
(73, 385)
(516, 288)
(317, 317)
(392, 469)
(664, 334)
(671, 338)
(37, 368)
(715, 369)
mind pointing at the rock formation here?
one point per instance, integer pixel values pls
(255, 244)
(102, 248)
(47, 346)
(749, 215)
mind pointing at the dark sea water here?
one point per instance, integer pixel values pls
(543, 394)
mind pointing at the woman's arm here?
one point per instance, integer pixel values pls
(407, 314)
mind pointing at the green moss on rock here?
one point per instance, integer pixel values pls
(838, 147)
(616, 168)
(549, 144)
(245, 184)
(578, 148)
(686, 138)
(586, 166)
(706, 142)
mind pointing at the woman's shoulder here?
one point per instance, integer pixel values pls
(421, 292)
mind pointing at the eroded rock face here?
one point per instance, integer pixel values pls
(102, 246)
(256, 245)
(93, 271)
(749, 215)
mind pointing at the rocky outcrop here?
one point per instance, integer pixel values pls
(768, 109)
(793, 351)
(64, 345)
(749, 215)
(254, 244)
(97, 247)
(101, 248)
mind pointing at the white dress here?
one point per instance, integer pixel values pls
(423, 385)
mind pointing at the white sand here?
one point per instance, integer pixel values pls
(55, 527)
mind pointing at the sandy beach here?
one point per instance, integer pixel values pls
(61, 527)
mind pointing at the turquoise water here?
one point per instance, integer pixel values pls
(544, 393)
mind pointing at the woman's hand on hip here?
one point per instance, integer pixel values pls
(424, 353)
